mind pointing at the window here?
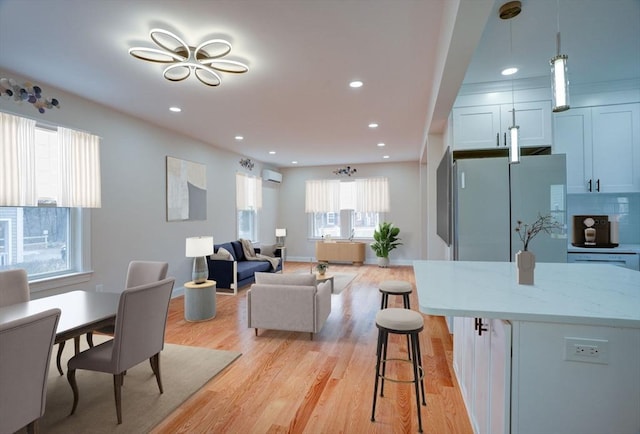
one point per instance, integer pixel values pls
(248, 202)
(353, 208)
(36, 239)
(40, 239)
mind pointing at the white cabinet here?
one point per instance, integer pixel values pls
(483, 366)
(602, 145)
(484, 127)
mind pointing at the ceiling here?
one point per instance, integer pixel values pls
(295, 99)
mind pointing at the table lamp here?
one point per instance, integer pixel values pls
(280, 234)
(199, 248)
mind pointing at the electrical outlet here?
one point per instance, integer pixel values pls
(586, 350)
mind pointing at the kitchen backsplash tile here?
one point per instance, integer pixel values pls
(624, 206)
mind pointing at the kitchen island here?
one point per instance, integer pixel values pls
(559, 356)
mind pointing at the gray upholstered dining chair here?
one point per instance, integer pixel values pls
(14, 287)
(25, 353)
(138, 335)
(138, 273)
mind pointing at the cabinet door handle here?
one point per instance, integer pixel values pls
(498, 140)
(505, 140)
(479, 326)
(598, 185)
(590, 190)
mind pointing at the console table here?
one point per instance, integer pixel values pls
(340, 251)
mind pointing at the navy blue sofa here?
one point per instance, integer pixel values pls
(238, 273)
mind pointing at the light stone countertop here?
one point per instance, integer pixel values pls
(563, 293)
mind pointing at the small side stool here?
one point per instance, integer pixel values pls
(395, 287)
(403, 322)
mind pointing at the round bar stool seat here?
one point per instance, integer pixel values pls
(395, 287)
(402, 322)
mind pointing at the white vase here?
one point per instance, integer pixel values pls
(525, 264)
(383, 262)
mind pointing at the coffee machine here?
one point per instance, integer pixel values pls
(594, 231)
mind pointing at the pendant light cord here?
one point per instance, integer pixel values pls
(513, 104)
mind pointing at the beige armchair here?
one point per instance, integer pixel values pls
(25, 352)
(292, 302)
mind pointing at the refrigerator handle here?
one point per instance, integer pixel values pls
(505, 139)
(498, 140)
(590, 186)
(598, 185)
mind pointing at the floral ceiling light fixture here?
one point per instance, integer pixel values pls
(347, 170)
(26, 92)
(205, 60)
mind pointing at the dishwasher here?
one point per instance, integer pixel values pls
(626, 260)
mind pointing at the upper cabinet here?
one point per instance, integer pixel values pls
(485, 127)
(602, 145)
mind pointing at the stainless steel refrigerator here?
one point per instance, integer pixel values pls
(490, 196)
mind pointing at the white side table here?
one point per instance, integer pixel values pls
(200, 301)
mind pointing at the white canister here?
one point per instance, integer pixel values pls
(614, 232)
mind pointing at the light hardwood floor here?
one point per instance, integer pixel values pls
(286, 383)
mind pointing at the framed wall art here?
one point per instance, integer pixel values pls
(186, 190)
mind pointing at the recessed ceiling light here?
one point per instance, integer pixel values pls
(175, 109)
(509, 71)
(272, 152)
(294, 162)
(373, 125)
(239, 138)
(356, 83)
(381, 145)
(385, 157)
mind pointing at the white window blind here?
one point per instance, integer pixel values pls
(322, 195)
(17, 158)
(248, 192)
(372, 195)
(73, 160)
(79, 169)
(363, 195)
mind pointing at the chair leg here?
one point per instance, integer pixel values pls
(416, 377)
(155, 366)
(71, 377)
(33, 427)
(117, 391)
(256, 330)
(385, 344)
(90, 339)
(375, 387)
(59, 357)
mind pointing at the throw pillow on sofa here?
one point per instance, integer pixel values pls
(268, 250)
(222, 254)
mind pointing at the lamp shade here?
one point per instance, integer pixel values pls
(198, 246)
(282, 232)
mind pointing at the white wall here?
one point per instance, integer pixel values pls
(132, 222)
(404, 189)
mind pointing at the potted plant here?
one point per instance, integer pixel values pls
(322, 268)
(386, 239)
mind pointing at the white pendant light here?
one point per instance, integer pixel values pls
(559, 80)
(508, 11)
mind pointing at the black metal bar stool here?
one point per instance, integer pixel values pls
(395, 287)
(403, 322)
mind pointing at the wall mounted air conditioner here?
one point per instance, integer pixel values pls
(271, 175)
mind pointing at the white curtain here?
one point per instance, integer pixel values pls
(79, 169)
(372, 195)
(248, 192)
(17, 159)
(322, 195)
(348, 195)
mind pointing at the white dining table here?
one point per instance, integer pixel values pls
(82, 312)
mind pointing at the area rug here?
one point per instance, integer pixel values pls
(184, 370)
(340, 280)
